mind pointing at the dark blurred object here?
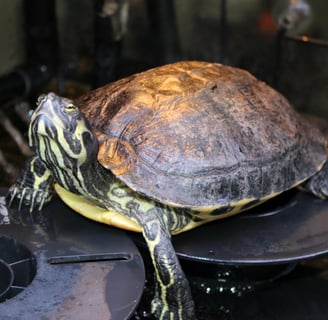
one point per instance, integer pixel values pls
(110, 25)
(41, 47)
(164, 33)
(223, 27)
(23, 81)
(292, 15)
(292, 18)
(41, 32)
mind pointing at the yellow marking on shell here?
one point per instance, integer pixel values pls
(94, 212)
(91, 210)
(236, 208)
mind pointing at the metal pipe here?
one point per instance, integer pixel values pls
(41, 47)
(23, 81)
(307, 40)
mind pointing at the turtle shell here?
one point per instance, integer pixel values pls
(201, 135)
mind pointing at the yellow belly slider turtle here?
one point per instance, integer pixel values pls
(167, 150)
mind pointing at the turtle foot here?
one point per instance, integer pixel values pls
(173, 302)
(22, 202)
(32, 199)
(172, 312)
(318, 184)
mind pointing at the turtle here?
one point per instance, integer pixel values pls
(166, 150)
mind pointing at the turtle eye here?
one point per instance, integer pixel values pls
(69, 108)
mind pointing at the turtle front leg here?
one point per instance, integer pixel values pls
(173, 298)
(318, 184)
(33, 187)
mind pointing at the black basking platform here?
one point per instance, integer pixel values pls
(290, 228)
(67, 267)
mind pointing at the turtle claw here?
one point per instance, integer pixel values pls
(15, 198)
(10, 196)
(24, 204)
(22, 198)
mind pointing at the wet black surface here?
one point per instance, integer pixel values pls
(238, 293)
(268, 263)
(289, 288)
(289, 282)
(83, 270)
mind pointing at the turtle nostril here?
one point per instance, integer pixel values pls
(41, 98)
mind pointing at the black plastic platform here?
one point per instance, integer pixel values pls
(292, 228)
(83, 270)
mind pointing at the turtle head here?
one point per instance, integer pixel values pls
(60, 134)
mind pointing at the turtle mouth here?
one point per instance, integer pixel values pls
(42, 125)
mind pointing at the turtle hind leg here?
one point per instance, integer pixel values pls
(173, 298)
(318, 184)
(32, 189)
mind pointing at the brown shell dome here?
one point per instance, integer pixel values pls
(198, 135)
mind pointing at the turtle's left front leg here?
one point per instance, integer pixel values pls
(32, 189)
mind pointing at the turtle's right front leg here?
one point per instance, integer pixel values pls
(33, 187)
(173, 300)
